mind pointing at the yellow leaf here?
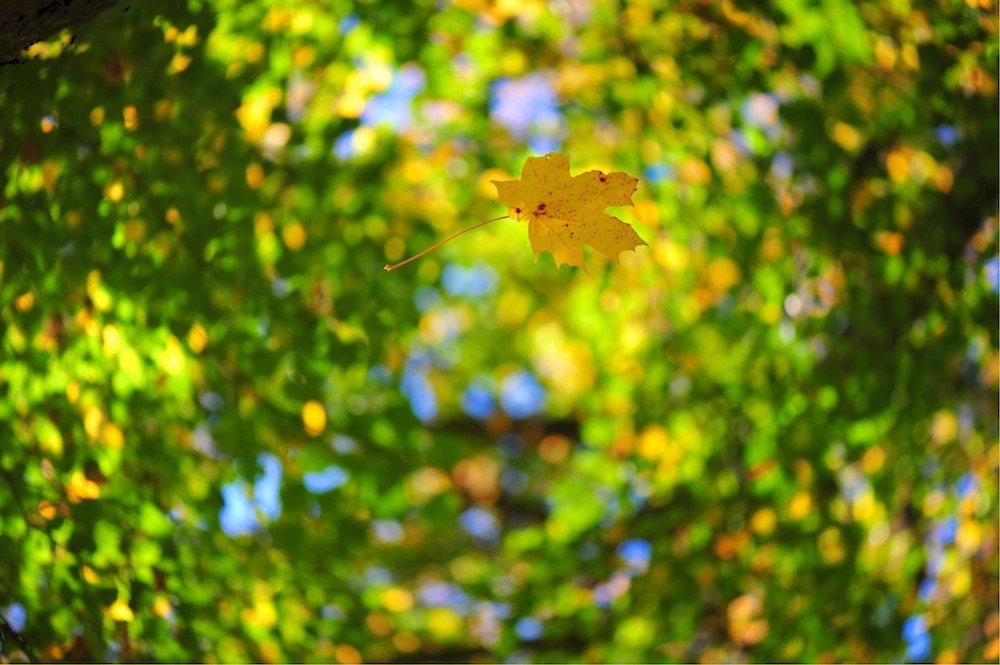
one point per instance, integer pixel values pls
(173, 357)
(113, 437)
(80, 487)
(694, 171)
(654, 442)
(347, 655)
(897, 163)
(443, 623)
(873, 460)
(255, 176)
(92, 420)
(800, 506)
(135, 230)
(314, 418)
(764, 521)
(130, 117)
(73, 392)
(564, 212)
(396, 599)
(47, 510)
(406, 642)
(179, 63)
(120, 611)
(162, 608)
(197, 338)
(722, 274)
(25, 302)
(294, 236)
(829, 545)
(969, 537)
(112, 340)
(115, 191)
(846, 136)
(49, 438)
(961, 583)
(890, 242)
(265, 613)
(944, 427)
(90, 575)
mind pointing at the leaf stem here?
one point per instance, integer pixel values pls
(431, 249)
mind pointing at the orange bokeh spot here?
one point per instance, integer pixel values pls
(347, 655)
(294, 236)
(553, 448)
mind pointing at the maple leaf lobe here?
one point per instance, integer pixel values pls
(564, 212)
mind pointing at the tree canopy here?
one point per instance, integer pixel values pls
(226, 434)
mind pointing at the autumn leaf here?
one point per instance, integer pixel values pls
(565, 212)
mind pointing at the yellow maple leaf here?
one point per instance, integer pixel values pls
(120, 611)
(564, 212)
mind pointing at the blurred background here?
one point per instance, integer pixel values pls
(229, 436)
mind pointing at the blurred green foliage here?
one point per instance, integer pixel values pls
(228, 435)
